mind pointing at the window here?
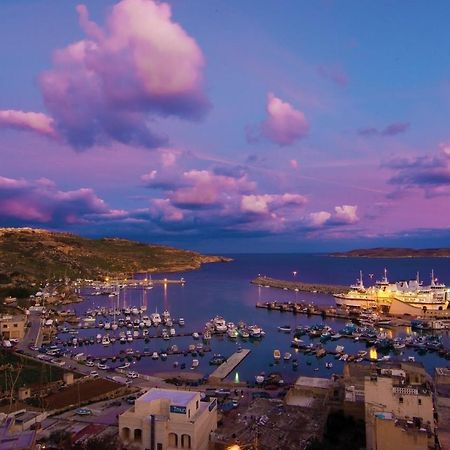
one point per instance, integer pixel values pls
(138, 435)
(159, 446)
(15, 325)
(196, 404)
(5, 325)
(125, 433)
(185, 441)
(173, 440)
(419, 401)
(400, 400)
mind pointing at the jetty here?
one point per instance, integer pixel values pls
(299, 286)
(229, 365)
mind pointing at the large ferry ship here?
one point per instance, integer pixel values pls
(436, 296)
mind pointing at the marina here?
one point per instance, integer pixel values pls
(154, 330)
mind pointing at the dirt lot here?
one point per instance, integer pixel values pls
(272, 424)
(79, 393)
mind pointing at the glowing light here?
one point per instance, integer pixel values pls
(234, 447)
(236, 378)
(294, 273)
(373, 353)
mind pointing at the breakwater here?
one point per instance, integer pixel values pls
(300, 286)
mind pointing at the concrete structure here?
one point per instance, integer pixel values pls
(12, 327)
(169, 420)
(309, 391)
(9, 439)
(398, 409)
(442, 404)
(442, 375)
(24, 393)
(229, 365)
(68, 378)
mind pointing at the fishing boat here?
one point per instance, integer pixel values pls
(195, 363)
(287, 356)
(276, 355)
(155, 355)
(285, 328)
(232, 333)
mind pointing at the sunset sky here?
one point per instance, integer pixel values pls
(231, 126)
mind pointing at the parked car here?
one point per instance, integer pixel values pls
(83, 412)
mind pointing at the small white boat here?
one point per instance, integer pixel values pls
(106, 340)
(195, 363)
(259, 379)
(195, 335)
(287, 356)
(156, 319)
(181, 321)
(155, 355)
(276, 355)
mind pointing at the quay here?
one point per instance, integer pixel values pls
(299, 286)
(131, 282)
(229, 365)
(330, 312)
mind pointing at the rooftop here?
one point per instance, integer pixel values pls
(312, 382)
(181, 398)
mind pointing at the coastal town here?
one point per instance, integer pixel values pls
(87, 389)
(224, 225)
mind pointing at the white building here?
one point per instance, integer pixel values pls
(163, 419)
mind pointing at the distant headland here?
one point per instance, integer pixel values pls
(391, 252)
(34, 255)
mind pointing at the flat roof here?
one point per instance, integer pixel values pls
(322, 383)
(181, 398)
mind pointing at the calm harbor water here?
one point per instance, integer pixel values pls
(224, 289)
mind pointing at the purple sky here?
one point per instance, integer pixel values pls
(228, 125)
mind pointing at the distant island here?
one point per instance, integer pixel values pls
(30, 255)
(390, 252)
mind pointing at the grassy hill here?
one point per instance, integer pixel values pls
(28, 255)
(389, 252)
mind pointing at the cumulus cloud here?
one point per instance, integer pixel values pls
(390, 130)
(284, 124)
(342, 215)
(40, 202)
(346, 214)
(29, 121)
(430, 173)
(317, 219)
(113, 84)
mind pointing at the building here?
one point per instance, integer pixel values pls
(12, 327)
(442, 404)
(169, 419)
(310, 390)
(398, 410)
(17, 440)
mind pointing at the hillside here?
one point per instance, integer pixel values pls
(32, 255)
(388, 252)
